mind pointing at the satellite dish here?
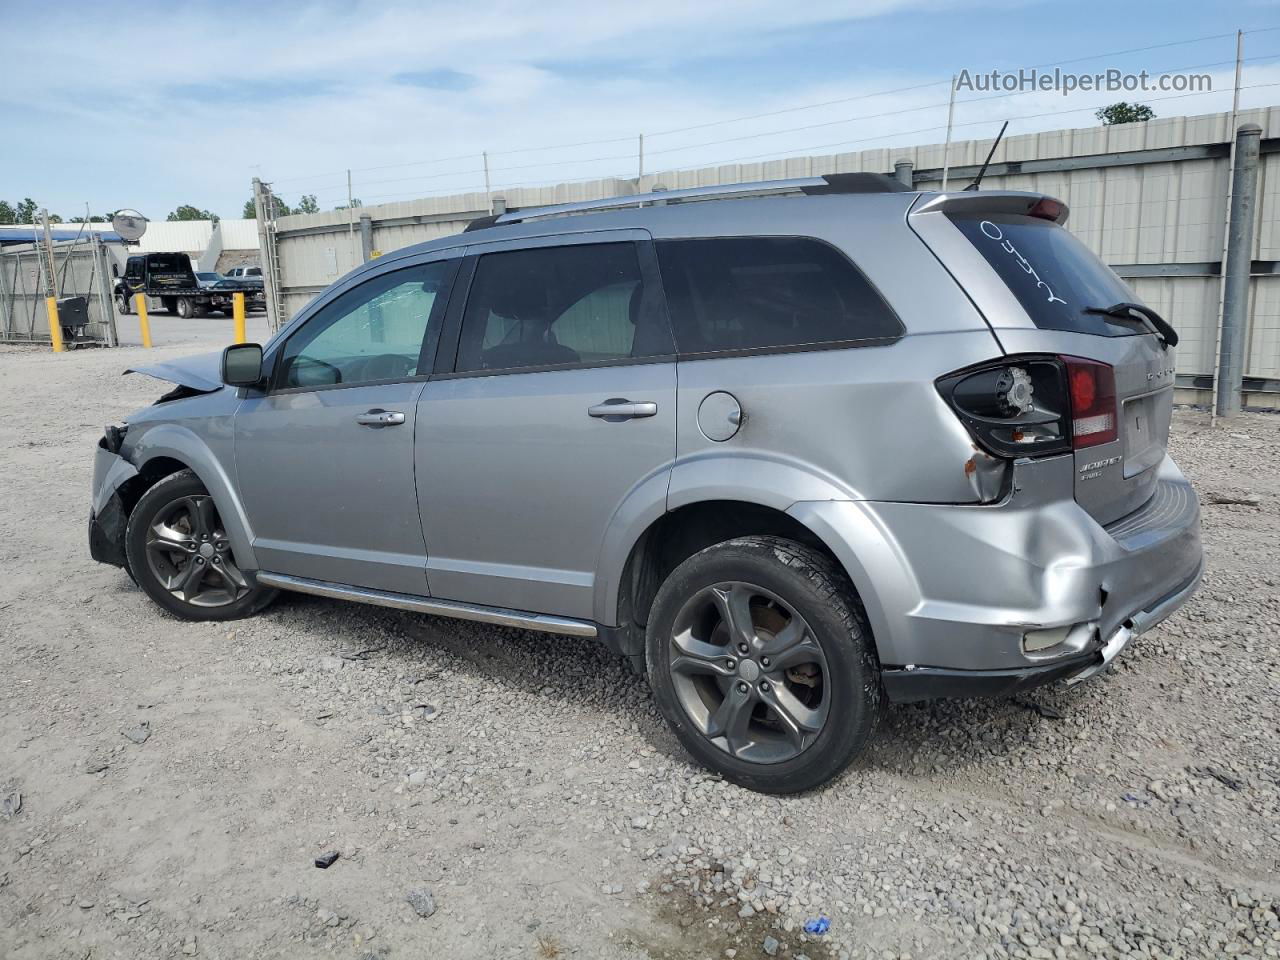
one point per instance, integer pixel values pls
(130, 224)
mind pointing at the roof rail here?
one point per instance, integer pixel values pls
(832, 183)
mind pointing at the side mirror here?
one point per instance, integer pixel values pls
(242, 365)
(115, 270)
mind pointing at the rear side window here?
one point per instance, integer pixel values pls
(1054, 276)
(558, 306)
(759, 293)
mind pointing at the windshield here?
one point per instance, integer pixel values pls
(1055, 277)
(208, 276)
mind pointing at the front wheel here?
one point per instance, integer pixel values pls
(761, 661)
(123, 304)
(179, 553)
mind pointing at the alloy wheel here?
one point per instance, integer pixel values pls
(190, 556)
(749, 672)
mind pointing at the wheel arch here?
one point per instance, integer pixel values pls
(670, 538)
(167, 448)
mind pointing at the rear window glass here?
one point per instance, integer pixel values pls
(170, 262)
(1054, 276)
(755, 293)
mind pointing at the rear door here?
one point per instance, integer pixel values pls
(1039, 288)
(560, 406)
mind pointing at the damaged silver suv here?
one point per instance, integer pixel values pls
(794, 448)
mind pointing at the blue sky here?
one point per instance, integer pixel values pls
(186, 106)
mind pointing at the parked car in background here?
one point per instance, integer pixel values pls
(793, 450)
(245, 272)
(208, 278)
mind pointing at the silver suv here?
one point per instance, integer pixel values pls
(794, 448)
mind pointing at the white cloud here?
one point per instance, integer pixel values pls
(184, 104)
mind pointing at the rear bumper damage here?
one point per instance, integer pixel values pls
(990, 600)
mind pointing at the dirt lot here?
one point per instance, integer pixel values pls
(529, 785)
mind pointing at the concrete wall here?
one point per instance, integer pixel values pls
(1149, 198)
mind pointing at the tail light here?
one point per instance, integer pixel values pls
(1093, 402)
(1034, 406)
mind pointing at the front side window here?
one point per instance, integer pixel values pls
(761, 293)
(558, 306)
(376, 331)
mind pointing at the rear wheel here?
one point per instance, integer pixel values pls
(185, 308)
(760, 659)
(179, 553)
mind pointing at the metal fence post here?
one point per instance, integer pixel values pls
(1235, 300)
(904, 172)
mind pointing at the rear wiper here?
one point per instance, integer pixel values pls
(1125, 311)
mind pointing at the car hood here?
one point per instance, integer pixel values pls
(202, 373)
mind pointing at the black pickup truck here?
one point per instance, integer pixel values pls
(170, 284)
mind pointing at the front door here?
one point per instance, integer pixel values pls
(561, 404)
(325, 457)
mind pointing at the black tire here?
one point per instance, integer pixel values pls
(169, 495)
(812, 586)
(185, 308)
(124, 304)
(200, 309)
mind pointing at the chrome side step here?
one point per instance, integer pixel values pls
(439, 608)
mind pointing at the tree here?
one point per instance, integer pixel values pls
(188, 212)
(27, 211)
(7, 213)
(307, 204)
(355, 202)
(281, 208)
(1123, 112)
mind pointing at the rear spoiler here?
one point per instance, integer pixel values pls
(1005, 201)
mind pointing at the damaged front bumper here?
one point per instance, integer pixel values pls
(107, 515)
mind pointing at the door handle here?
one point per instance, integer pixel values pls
(380, 418)
(618, 409)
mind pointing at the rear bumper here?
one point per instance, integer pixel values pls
(910, 684)
(952, 590)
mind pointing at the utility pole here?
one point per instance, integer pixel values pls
(1235, 300)
(640, 174)
(351, 220)
(485, 157)
(946, 150)
(1226, 231)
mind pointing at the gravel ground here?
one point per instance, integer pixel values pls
(493, 793)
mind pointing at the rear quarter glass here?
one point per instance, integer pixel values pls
(1054, 276)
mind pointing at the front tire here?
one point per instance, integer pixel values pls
(761, 661)
(179, 553)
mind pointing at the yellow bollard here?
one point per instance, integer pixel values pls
(141, 301)
(55, 328)
(237, 311)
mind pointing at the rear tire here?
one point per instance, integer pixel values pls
(783, 703)
(179, 553)
(185, 308)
